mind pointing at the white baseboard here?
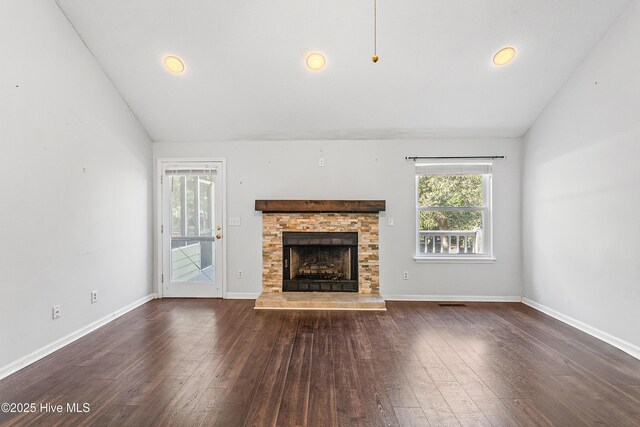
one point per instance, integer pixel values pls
(623, 345)
(13, 367)
(472, 298)
(458, 298)
(243, 295)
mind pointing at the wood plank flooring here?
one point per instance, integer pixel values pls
(213, 362)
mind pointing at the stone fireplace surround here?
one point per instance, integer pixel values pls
(361, 216)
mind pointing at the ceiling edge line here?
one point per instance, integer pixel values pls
(104, 72)
(578, 66)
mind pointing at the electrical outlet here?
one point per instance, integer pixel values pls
(234, 220)
(321, 163)
(55, 312)
(94, 297)
(240, 274)
(390, 221)
(405, 275)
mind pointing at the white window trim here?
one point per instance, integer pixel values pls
(449, 259)
(487, 202)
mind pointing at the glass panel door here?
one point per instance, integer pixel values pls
(191, 253)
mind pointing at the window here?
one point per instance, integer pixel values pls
(191, 204)
(453, 210)
(192, 238)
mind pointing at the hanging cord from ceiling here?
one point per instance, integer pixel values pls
(375, 31)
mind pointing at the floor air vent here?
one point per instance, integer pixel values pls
(452, 304)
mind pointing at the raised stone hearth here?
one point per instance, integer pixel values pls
(320, 301)
(357, 217)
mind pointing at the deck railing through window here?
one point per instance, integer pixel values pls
(451, 241)
(192, 258)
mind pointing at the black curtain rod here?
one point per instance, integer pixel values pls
(451, 157)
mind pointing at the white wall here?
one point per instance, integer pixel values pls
(581, 187)
(75, 208)
(365, 170)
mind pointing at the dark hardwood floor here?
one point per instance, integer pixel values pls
(213, 362)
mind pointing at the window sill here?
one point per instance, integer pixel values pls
(453, 260)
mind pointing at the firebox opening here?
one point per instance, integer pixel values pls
(320, 262)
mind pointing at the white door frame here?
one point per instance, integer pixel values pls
(159, 214)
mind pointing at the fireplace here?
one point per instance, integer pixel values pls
(320, 254)
(320, 261)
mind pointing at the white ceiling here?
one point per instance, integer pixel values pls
(246, 79)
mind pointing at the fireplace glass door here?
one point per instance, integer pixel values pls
(322, 262)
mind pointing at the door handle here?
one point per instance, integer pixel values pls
(218, 236)
(218, 228)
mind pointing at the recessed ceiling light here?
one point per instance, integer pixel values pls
(174, 64)
(315, 61)
(504, 56)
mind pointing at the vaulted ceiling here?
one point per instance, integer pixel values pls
(245, 75)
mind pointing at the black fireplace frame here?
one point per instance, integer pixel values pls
(291, 239)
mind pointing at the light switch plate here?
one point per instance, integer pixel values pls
(234, 220)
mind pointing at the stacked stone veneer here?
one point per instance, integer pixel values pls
(366, 224)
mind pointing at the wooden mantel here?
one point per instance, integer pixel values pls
(320, 205)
